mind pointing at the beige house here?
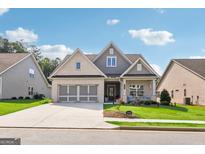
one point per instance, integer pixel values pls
(185, 81)
(103, 77)
(20, 75)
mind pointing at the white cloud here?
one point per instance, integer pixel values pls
(3, 10)
(21, 34)
(112, 22)
(159, 10)
(197, 57)
(150, 37)
(54, 51)
(157, 68)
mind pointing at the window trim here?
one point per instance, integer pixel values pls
(139, 65)
(76, 64)
(31, 73)
(112, 57)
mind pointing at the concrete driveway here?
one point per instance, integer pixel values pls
(58, 115)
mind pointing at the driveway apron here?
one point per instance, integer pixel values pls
(58, 115)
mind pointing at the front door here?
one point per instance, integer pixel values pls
(111, 92)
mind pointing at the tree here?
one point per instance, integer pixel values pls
(11, 47)
(18, 47)
(47, 65)
(5, 46)
(36, 52)
(165, 98)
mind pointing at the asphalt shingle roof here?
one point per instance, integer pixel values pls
(196, 65)
(9, 59)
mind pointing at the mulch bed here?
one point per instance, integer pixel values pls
(117, 114)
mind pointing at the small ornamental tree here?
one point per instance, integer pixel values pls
(165, 98)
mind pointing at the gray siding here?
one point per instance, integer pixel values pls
(15, 81)
(122, 63)
(143, 71)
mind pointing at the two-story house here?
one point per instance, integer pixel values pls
(103, 77)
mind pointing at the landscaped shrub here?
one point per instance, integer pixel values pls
(38, 96)
(27, 97)
(20, 97)
(164, 103)
(13, 98)
(165, 98)
(148, 102)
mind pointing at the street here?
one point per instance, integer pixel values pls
(97, 137)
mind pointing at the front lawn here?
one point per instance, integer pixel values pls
(9, 106)
(180, 112)
(156, 124)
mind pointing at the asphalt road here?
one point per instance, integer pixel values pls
(96, 137)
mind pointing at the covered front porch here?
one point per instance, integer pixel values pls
(129, 89)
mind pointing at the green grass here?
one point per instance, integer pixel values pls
(9, 106)
(180, 112)
(156, 124)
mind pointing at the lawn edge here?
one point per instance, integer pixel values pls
(153, 128)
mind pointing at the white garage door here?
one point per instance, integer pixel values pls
(78, 93)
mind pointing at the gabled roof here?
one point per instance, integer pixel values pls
(117, 49)
(195, 66)
(68, 57)
(153, 72)
(131, 58)
(8, 60)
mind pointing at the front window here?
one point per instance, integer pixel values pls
(77, 66)
(111, 61)
(136, 90)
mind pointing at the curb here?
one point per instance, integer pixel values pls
(119, 128)
(190, 129)
(116, 128)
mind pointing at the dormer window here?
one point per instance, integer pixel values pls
(139, 67)
(111, 61)
(77, 66)
(111, 51)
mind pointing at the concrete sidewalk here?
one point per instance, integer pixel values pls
(154, 120)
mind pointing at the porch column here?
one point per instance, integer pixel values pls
(154, 87)
(124, 91)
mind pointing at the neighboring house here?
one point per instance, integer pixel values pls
(185, 81)
(20, 75)
(103, 77)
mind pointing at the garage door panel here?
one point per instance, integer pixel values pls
(93, 90)
(84, 99)
(63, 90)
(78, 93)
(63, 99)
(73, 90)
(93, 99)
(84, 90)
(72, 99)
